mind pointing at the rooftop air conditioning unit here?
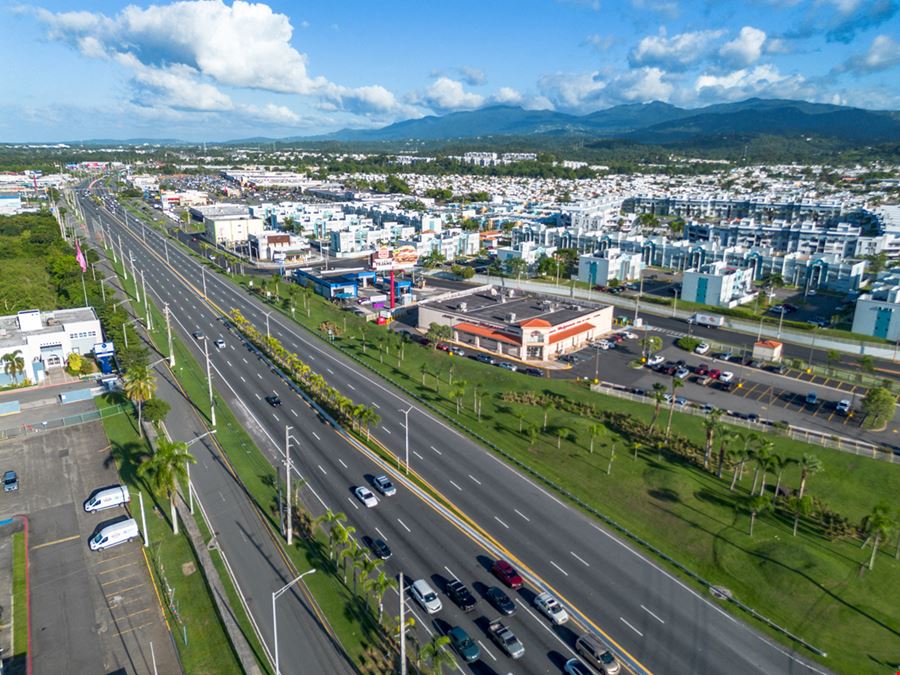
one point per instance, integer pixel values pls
(463, 307)
(511, 317)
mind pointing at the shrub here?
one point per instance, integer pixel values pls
(688, 343)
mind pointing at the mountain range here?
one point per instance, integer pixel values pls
(655, 122)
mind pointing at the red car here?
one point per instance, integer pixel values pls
(443, 347)
(714, 373)
(618, 338)
(702, 369)
(507, 574)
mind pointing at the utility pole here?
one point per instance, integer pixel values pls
(637, 303)
(146, 304)
(402, 630)
(169, 336)
(287, 462)
(122, 256)
(268, 335)
(203, 276)
(166, 245)
(212, 401)
(406, 435)
(137, 291)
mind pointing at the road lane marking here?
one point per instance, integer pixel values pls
(417, 454)
(316, 435)
(501, 522)
(436, 450)
(404, 526)
(474, 479)
(386, 429)
(242, 379)
(351, 386)
(294, 412)
(486, 650)
(652, 614)
(258, 397)
(259, 375)
(244, 360)
(631, 627)
(355, 505)
(342, 463)
(456, 486)
(229, 363)
(321, 469)
(56, 541)
(450, 572)
(376, 405)
(559, 568)
(275, 416)
(580, 559)
(330, 370)
(381, 533)
(522, 515)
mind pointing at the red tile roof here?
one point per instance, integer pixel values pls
(535, 323)
(485, 332)
(569, 332)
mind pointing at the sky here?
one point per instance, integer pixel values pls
(212, 70)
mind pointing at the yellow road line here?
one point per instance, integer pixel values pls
(56, 541)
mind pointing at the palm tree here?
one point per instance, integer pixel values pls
(333, 519)
(457, 393)
(712, 426)
(676, 383)
(140, 385)
(360, 559)
(366, 567)
(377, 587)
(13, 364)
(561, 433)
(548, 408)
(779, 464)
(767, 463)
(348, 551)
(756, 505)
(809, 466)
(596, 431)
(436, 655)
(532, 436)
(165, 469)
(658, 395)
(877, 527)
(761, 455)
(800, 507)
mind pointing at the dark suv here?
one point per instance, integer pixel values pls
(460, 595)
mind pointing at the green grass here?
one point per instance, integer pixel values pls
(208, 649)
(811, 586)
(20, 600)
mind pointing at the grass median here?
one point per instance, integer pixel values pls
(813, 586)
(20, 602)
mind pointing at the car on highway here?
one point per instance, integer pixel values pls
(843, 406)
(384, 485)
(702, 348)
(726, 376)
(378, 547)
(460, 595)
(273, 400)
(597, 654)
(656, 360)
(576, 667)
(506, 365)
(366, 496)
(464, 645)
(682, 372)
(551, 608)
(504, 638)
(426, 596)
(507, 574)
(220, 343)
(198, 335)
(628, 335)
(500, 601)
(10, 481)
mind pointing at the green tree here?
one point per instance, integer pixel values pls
(756, 505)
(658, 394)
(676, 384)
(877, 526)
(165, 469)
(801, 507)
(155, 410)
(596, 431)
(457, 392)
(650, 344)
(779, 464)
(762, 456)
(140, 385)
(878, 405)
(436, 655)
(711, 426)
(810, 465)
(333, 520)
(377, 587)
(14, 364)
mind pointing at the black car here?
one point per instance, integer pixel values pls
(500, 601)
(460, 595)
(273, 400)
(534, 372)
(381, 549)
(779, 368)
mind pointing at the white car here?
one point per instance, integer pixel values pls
(702, 348)
(550, 607)
(843, 406)
(628, 335)
(655, 360)
(426, 596)
(220, 343)
(726, 376)
(601, 344)
(366, 496)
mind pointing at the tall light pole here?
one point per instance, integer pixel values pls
(268, 335)
(402, 629)
(146, 304)
(137, 290)
(780, 321)
(288, 465)
(212, 401)
(169, 336)
(275, 595)
(406, 434)
(122, 256)
(203, 277)
(637, 303)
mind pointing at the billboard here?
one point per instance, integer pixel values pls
(385, 259)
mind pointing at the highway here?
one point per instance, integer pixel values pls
(654, 622)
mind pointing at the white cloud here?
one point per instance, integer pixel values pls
(472, 76)
(642, 86)
(745, 49)
(599, 42)
(272, 113)
(673, 53)
(507, 96)
(175, 86)
(761, 80)
(668, 7)
(570, 91)
(445, 94)
(883, 53)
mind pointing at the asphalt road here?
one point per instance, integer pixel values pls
(654, 621)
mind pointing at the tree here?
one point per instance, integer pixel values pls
(377, 587)
(779, 464)
(548, 408)
(457, 393)
(800, 507)
(878, 406)
(165, 469)
(344, 539)
(676, 383)
(650, 344)
(596, 431)
(333, 519)
(658, 395)
(762, 455)
(516, 267)
(561, 434)
(876, 263)
(810, 465)
(756, 505)
(435, 654)
(140, 386)
(74, 363)
(712, 426)
(155, 411)
(877, 527)
(533, 434)
(14, 364)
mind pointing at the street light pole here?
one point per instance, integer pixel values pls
(275, 595)
(203, 276)
(268, 335)
(137, 291)
(146, 304)
(406, 434)
(780, 321)
(212, 401)
(169, 336)
(287, 462)
(402, 629)
(122, 256)
(637, 304)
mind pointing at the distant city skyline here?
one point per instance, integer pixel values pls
(207, 70)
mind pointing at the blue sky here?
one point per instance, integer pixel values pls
(210, 70)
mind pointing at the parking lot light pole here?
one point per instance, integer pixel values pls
(637, 303)
(275, 595)
(406, 434)
(780, 321)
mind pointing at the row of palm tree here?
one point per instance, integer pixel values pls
(13, 364)
(361, 417)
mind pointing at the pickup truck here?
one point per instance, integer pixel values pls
(460, 595)
(505, 639)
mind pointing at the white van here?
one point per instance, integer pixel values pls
(597, 655)
(108, 498)
(117, 533)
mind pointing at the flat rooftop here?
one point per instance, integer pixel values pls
(51, 322)
(497, 308)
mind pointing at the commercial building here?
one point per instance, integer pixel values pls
(227, 224)
(10, 204)
(878, 312)
(612, 263)
(45, 339)
(506, 322)
(718, 285)
(278, 246)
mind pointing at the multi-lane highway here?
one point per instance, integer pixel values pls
(654, 622)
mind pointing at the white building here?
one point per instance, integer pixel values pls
(878, 313)
(10, 204)
(228, 224)
(45, 339)
(718, 285)
(602, 267)
(183, 198)
(528, 251)
(278, 246)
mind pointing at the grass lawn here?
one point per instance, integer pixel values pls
(814, 587)
(189, 603)
(20, 602)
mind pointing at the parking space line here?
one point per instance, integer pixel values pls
(113, 569)
(130, 588)
(119, 580)
(129, 630)
(747, 391)
(140, 611)
(56, 541)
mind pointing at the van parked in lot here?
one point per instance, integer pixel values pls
(108, 498)
(117, 533)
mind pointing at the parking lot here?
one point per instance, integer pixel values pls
(91, 612)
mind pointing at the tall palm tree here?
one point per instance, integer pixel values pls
(809, 466)
(370, 419)
(349, 547)
(333, 519)
(367, 567)
(548, 408)
(877, 527)
(457, 393)
(761, 454)
(165, 469)
(676, 384)
(140, 385)
(596, 431)
(436, 655)
(756, 505)
(377, 587)
(800, 507)
(360, 558)
(8, 366)
(712, 426)
(779, 464)
(658, 395)
(18, 364)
